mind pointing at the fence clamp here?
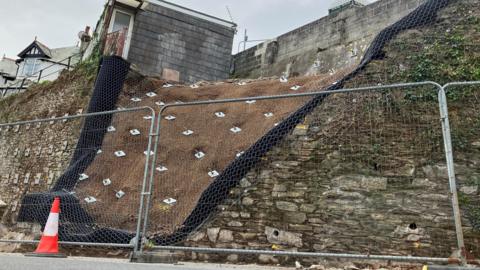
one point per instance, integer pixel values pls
(154, 134)
(146, 193)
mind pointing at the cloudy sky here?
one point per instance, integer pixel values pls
(57, 22)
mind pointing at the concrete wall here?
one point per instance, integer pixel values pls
(326, 45)
(167, 39)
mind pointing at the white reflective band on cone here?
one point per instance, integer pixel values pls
(51, 229)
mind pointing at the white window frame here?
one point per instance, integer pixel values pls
(126, 47)
(36, 62)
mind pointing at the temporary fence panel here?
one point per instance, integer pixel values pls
(100, 196)
(463, 100)
(360, 170)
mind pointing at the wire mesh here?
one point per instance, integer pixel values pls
(99, 200)
(362, 171)
(464, 105)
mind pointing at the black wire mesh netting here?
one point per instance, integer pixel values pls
(87, 216)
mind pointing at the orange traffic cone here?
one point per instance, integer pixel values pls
(48, 246)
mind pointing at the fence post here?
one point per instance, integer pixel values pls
(40, 76)
(442, 98)
(138, 246)
(69, 62)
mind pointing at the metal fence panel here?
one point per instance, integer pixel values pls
(361, 170)
(463, 100)
(82, 159)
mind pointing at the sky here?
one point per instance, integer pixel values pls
(56, 23)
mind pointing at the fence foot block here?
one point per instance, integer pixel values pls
(163, 257)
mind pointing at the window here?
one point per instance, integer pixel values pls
(30, 66)
(121, 22)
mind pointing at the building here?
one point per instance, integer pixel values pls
(341, 5)
(165, 40)
(8, 71)
(37, 62)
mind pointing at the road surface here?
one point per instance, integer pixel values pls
(20, 262)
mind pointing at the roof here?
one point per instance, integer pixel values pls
(8, 66)
(193, 13)
(338, 3)
(60, 54)
(40, 46)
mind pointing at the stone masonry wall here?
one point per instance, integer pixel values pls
(347, 184)
(168, 39)
(331, 43)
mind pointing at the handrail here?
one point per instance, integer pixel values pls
(38, 74)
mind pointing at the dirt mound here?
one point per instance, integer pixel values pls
(187, 177)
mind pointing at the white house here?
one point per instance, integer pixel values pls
(39, 63)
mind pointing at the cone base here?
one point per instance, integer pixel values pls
(46, 255)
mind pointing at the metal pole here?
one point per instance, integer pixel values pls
(152, 173)
(33, 242)
(69, 62)
(40, 76)
(245, 39)
(442, 98)
(138, 238)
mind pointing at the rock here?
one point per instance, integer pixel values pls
(245, 215)
(247, 201)
(244, 183)
(115, 253)
(469, 190)
(406, 171)
(275, 236)
(307, 208)
(212, 234)
(279, 188)
(436, 172)
(295, 217)
(248, 236)
(287, 206)
(374, 183)
(198, 236)
(348, 181)
(317, 267)
(413, 238)
(233, 258)
(267, 259)
(235, 224)
(296, 194)
(225, 236)
(423, 182)
(2, 204)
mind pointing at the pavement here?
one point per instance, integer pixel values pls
(20, 262)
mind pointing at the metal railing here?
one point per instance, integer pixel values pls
(51, 70)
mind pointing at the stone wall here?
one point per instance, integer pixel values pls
(166, 41)
(326, 45)
(347, 184)
(33, 157)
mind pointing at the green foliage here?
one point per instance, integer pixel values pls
(446, 59)
(89, 67)
(473, 207)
